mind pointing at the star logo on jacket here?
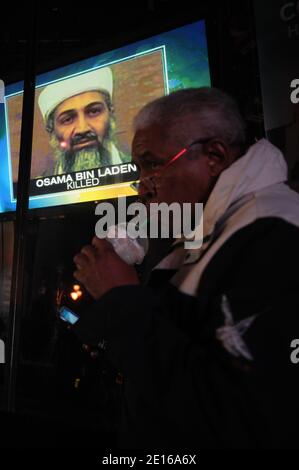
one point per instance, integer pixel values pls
(231, 333)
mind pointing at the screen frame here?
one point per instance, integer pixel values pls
(156, 28)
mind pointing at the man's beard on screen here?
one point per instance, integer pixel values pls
(93, 156)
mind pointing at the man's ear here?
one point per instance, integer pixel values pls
(219, 156)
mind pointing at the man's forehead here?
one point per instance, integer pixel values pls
(80, 101)
(151, 137)
(156, 140)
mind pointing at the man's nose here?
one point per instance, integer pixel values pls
(81, 124)
(146, 189)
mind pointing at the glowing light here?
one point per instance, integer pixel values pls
(63, 144)
(76, 292)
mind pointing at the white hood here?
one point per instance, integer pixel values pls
(263, 165)
(250, 189)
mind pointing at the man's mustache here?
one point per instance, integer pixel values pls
(83, 137)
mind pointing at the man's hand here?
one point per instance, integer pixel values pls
(100, 269)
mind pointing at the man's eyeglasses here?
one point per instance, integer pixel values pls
(149, 179)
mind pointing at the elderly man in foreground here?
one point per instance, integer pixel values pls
(205, 346)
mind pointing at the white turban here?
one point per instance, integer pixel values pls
(55, 93)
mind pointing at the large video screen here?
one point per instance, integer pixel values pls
(83, 118)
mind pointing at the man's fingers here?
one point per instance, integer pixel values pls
(89, 251)
(101, 245)
(79, 276)
(81, 260)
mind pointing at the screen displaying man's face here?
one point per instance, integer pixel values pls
(77, 127)
(81, 123)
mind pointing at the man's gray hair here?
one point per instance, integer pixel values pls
(216, 112)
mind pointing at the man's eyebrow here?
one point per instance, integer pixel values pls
(94, 103)
(145, 157)
(73, 111)
(148, 155)
(67, 112)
